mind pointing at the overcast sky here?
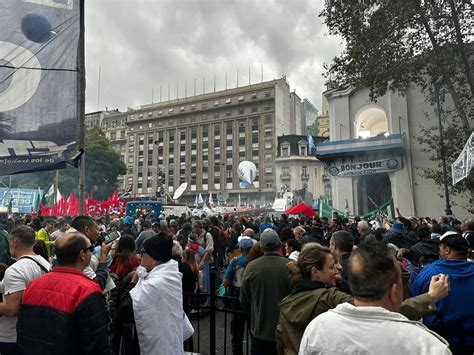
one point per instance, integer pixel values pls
(141, 45)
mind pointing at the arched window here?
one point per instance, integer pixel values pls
(370, 121)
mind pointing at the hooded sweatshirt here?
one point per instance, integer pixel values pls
(455, 317)
(307, 300)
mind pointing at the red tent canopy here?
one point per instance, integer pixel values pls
(301, 208)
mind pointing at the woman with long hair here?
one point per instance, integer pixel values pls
(124, 258)
(314, 292)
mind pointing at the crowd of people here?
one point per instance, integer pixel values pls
(302, 285)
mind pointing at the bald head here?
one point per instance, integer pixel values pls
(71, 250)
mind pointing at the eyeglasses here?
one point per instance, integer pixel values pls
(142, 251)
(89, 248)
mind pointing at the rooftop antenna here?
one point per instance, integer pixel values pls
(214, 82)
(169, 91)
(152, 96)
(250, 82)
(160, 93)
(203, 85)
(185, 88)
(226, 80)
(237, 77)
(194, 86)
(261, 72)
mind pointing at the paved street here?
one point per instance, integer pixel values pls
(202, 332)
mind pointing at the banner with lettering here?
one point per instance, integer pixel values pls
(38, 95)
(462, 167)
(365, 168)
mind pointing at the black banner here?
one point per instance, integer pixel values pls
(38, 93)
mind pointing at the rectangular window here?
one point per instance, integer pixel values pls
(254, 109)
(228, 100)
(170, 111)
(216, 103)
(254, 96)
(241, 98)
(150, 125)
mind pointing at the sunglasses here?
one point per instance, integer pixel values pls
(89, 248)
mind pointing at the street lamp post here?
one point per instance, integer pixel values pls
(442, 151)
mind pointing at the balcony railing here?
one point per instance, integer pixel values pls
(285, 176)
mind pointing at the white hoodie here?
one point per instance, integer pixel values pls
(158, 310)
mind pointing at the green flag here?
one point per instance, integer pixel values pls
(37, 201)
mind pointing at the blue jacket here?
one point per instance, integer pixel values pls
(455, 317)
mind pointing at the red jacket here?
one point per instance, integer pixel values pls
(63, 312)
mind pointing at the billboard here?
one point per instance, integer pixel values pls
(38, 94)
(23, 199)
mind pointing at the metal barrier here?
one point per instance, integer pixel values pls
(217, 310)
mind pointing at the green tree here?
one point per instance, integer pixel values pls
(390, 45)
(103, 166)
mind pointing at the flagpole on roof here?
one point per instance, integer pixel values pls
(81, 103)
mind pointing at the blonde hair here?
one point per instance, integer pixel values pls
(311, 255)
(299, 230)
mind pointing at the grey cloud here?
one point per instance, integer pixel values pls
(141, 45)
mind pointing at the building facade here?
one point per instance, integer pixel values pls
(94, 119)
(202, 139)
(374, 155)
(300, 172)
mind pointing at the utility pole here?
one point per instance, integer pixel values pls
(81, 104)
(441, 150)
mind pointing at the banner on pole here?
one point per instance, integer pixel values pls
(325, 210)
(38, 94)
(463, 165)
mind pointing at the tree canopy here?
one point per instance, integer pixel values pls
(391, 44)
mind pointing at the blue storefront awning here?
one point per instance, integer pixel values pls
(329, 149)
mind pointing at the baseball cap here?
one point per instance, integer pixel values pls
(245, 242)
(270, 239)
(454, 240)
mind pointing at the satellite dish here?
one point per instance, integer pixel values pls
(180, 190)
(247, 172)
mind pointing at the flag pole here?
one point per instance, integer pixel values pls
(81, 102)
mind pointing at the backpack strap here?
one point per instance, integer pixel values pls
(37, 263)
